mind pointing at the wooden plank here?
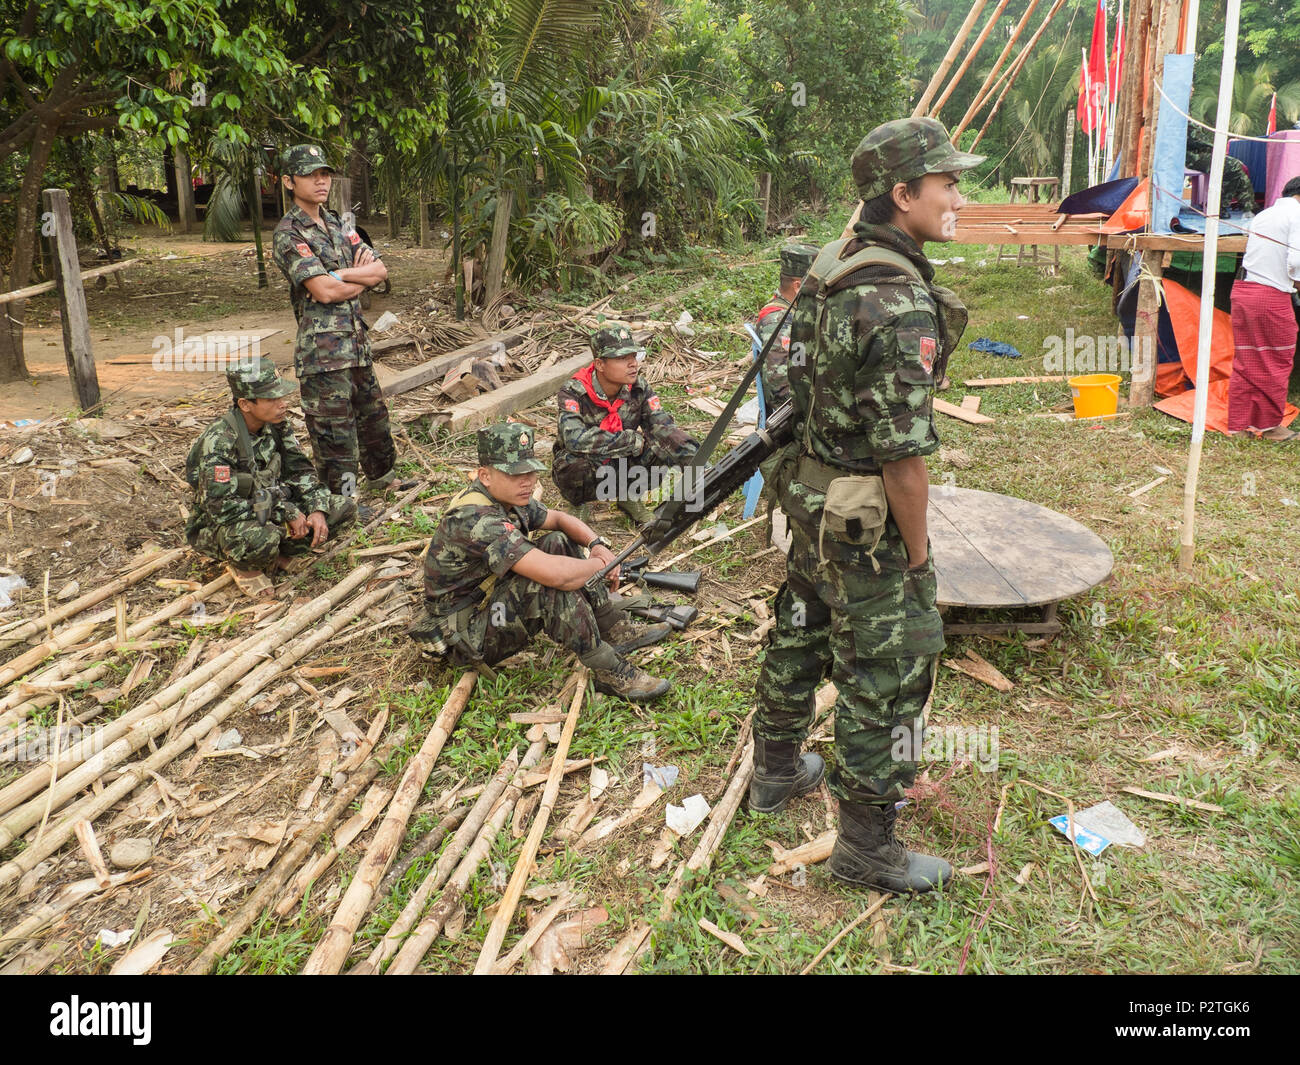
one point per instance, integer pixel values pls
(47, 286)
(493, 406)
(964, 576)
(435, 369)
(971, 403)
(72, 303)
(962, 415)
(1142, 380)
(987, 382)
(496, 264)
(1194, 242)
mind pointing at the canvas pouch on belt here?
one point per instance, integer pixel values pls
(854, 513)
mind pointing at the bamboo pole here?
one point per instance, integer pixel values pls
(1135, 43)
(137, 773)
(297, 853)
(637, 941)
(88, 760)
(60, 641)
(16, 667)
(970, 58)
(332, 950)
(946, 64)
(1187, 547)
(91, 598)
(418, 944)
(984, 90)
(524, 866)
(1014, 73)
(446, 864)
(1017, 65)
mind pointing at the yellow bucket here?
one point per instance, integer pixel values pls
(1095, 394)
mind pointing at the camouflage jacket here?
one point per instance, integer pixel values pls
(644, 421)
(473, 543)
(223, 497)
(863, 396)
(331, 336)
(776, 367)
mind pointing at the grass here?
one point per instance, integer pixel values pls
(1183, 683)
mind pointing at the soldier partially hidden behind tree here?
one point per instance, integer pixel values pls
(257, 502)
(615, 441)
(859, 598)
(775, 372)
(489, 588)
(328, 266)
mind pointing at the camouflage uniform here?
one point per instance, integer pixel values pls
(226, 520)
(638, 433)
(347, 418)
(795, 261)
(1236, 185)
(862, 399)
(477, 609)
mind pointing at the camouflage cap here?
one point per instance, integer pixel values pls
(303, 159)
(904, 149)
(258, 379)
(797, 259)
(508, 447)
(614, 341)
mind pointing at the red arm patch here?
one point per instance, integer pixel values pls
(654, 403)
(221, 474)
(927, 353)
(304, 250)
(571, 405)
(354, 237)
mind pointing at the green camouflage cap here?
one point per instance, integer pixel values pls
(303, 159)
(508, 447)
(797, 259)
(258, 379)
(613, 341)
(904, 149)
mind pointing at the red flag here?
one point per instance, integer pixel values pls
(1117, 53)
(1092, 79)
(1272, 116)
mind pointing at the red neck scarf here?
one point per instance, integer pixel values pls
(611, 423)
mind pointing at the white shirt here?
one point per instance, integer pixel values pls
(1273, 247)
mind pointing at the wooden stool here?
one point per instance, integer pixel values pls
(1026, 190)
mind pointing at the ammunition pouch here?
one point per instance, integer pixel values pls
(854, 513)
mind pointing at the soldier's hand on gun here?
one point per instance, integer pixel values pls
(605, 556)
(320, 531)
(298, 528)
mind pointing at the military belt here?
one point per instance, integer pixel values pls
(817, 475)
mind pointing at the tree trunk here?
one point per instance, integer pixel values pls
(13, 364)
(185, 212)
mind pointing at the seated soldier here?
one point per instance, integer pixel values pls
(796, 259)
(489, 589)
(257, 502)
(615, 440)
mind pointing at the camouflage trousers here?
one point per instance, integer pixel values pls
(587, 478)
(519, 609)
(877, 636)
(250, 546)
(347, 421)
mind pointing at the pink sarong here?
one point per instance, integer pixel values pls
(1264, 336)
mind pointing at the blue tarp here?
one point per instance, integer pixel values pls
(1170, 154)
(1254, 155)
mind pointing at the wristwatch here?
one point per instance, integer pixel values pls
(599, 541)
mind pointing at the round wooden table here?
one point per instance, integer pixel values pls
(997, 552)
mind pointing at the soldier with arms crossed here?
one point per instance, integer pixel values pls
(859, 597)
(489, 588)
(257, 502)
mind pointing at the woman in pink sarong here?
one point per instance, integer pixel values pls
(1263, 320)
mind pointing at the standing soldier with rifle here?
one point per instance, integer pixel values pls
(328, 266)
(795, 260)
(859, 598)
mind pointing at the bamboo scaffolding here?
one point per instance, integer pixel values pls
(637, 940)
(1012, 72)
(297, 853)
(17, 667)
(984, 90)
(447, 862)
(949, 57)
(137, 773)
(91, 598)
(419, 942)
(970, 58)
(82, 764)
(496, 934)
(332, 950)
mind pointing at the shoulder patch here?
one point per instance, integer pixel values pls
(927, 353)
(654, 403)
(509, 526)
(571, 405)
(303, 249)
(221, 474)
(354, 237)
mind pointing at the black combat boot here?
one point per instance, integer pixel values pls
(625, 633)
(781, 773)
(867, 854)
(615, 675)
